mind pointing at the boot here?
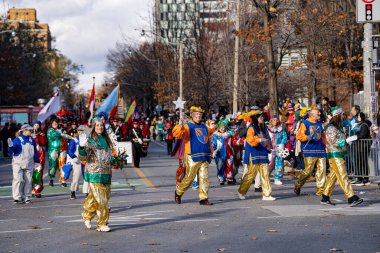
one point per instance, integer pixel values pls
(205, 202)
(177, 198)
(73, 195)
(51, 183)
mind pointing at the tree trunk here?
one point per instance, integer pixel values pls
(272, 80)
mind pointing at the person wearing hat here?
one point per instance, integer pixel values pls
(160, 124)
(197, 154)
(312, 137)
(96, 151)
(223, 153)
(72, 157)
(25, 159)
(116, 129)
(256, 157)
(73, 130)
(135, 136)
(336, 152)
(168, 131)
(41, 140)
(54, 136)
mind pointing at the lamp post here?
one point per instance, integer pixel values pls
(236, 61)
(178, 45)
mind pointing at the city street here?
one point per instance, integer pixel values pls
(145, 218)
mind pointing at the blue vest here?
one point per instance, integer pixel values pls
(259, 154)
(314, 147)
(199, 142)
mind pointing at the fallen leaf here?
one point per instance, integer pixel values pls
(221, 249)
(272, 231)
(50, 221)
(254, 238)
(35, 227)
(88, 244)
(152, 243)
(335, 250)
(184, 250)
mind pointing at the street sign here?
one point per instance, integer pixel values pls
(367, 11)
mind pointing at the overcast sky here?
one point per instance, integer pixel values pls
(86, 29)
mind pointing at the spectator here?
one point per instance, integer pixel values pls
(5, 134)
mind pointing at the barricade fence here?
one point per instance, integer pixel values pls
(363, 159)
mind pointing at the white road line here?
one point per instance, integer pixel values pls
(180, 221)
(35, 207)
(5, 165)
(270, 217)
(7, 220)
(115, 225)
(24, 230)
(166, 211)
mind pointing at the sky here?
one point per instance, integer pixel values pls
(84, 30)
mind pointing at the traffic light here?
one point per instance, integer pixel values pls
(368, 12)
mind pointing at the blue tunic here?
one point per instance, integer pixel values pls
(315, 146)
(199, 143)
(259, 154)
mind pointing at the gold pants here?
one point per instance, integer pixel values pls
(338, 172)
(193, 169)
(97, 203)
(250, 176)
(320, 174)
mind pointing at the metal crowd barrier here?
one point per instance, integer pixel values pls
(363, 159)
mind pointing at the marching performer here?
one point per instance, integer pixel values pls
(279, 138)
(197, 154)
(97, 152)
(256, 157)
(72, 157)
(160, 128)
(136, 138)
(336, 152)
(40, 140)
(311, 135)
(54, 146)
(223, 154)
(25, 159)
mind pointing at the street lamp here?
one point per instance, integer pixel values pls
(178, 45)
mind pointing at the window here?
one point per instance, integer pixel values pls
(20, 117)
(4, 118)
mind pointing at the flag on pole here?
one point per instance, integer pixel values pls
(110, 102)
(130, 112)
(53, 106)
(91, 104)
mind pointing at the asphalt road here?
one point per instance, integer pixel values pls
(144, 217)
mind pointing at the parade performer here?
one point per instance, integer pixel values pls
(96, 151)
(25, 159)
(279, 138)
(116, 129)
(40, 140)
(54, 146)
(197, 154)
(311, 135)
(76, 164)
(73, 130)
(169, 137)
(136, 138)
(160, 128)
(256, 157)
(336, 152)
(223, 154)
(63, 152)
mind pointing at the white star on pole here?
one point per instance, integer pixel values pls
(179, 103)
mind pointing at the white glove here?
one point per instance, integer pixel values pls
(218, 145)
(248, 124)
(281, 146)
(38, 147)
(10, 142)
(63, 154)
(37, 167)
(351, 139)
(263, 140)
(139, 140)
(54, 155)
(82, 140)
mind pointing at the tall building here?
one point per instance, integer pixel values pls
(182, 19)
(26, 19)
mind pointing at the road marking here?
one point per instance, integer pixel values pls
(35, 207)
(268, 217)
(180, 221)
(144, 178)
(24, 230)
(151, 212)
(5, 165)
(7, 220)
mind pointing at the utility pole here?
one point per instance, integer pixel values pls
(180, 75)
(369, 91)
(236, 60)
